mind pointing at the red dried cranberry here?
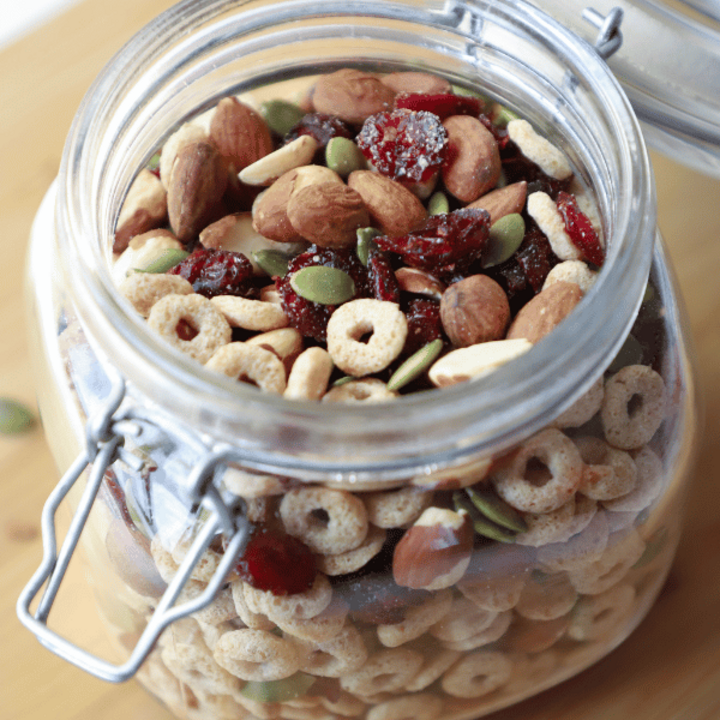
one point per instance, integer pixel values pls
(580, 229)
(447, 244)
(424, 324)
(441, 104)
(536, 257)
(216, 272)
(321, 126)
(405, 146)
(279, 563)
(381, 278)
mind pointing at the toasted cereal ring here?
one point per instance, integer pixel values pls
(327, 521)
(546, 596)
(199, 315)
(418, 619)
(497, 628)
(387, 670)
(598, 617)
(477, 674)
(344, 704)
(434, 665)
(463, 620)
(648, 484)
(352, 321)
(310, 374)
(634, 406)
(352, 560)
(254, 620)
(584, 408)
(534, 636)
(258, 709)
(250, 314)
(250, 363)
(419, 706)
(585, 547)
(204, 569)
(343, 654)
(531, 672)
(251, 485)
(144, 289)
(548, 527)
(303, 605)
(519, 484)
(609, 473)
(257, 655)
(396, 508)
(367, 390)
(321, 628)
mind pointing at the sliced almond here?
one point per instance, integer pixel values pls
(540, 150)
(416, 82)
(267, 169)
(186, 134)
(543, 210)
(144, 208)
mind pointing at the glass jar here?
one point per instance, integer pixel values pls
(189, 463)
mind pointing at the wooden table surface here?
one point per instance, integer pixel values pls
(670, 667)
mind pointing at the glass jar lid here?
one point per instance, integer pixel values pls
(668, 65)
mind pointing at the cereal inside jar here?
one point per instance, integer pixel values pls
(394, 320)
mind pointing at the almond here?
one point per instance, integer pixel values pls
(435, 552)
(392, 207)
(417, 82)
(327, 214)
(419, 282)
(197, 184)
(352, 95)
(144, 209)
(502, 201)
(269, 168)
(545, 312)
(186, 134)
(473, 165)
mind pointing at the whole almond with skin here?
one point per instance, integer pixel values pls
(197, 184)
(352, 95)
(545, 312)
(327, 214)
(473, 166)
(392, 207)
(144, 209)
(474, 310)
(239, 133)
(503, 201)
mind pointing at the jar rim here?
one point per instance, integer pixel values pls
(427, 428)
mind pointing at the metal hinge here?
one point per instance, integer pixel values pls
(609, 38)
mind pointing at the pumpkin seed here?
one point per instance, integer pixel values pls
(281, 116)
(365, 237)
(438, 204)
(272, 262)
(481, 525)
(14, 417)
(506, 236)
(655, 544)
(496, 509)
(168, 258)
(415, 365)
(154, 162)
(344, 380)
(343, 156)
(268, 691)
(323, 285)
(503, 115)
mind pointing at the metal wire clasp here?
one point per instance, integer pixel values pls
(609, 38)
(105, 436)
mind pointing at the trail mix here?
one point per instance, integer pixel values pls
(388, 234)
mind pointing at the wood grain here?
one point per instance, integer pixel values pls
(670, 667)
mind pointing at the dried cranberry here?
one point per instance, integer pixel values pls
(580, 229)
(501, 135)
(403, 145)
(441, 104)
(320, 126)
(217, 272)
(446, 245)
(424, 324)
(536, 257)
(279, 563)
(381, 278)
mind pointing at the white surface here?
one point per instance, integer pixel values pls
(19, 17)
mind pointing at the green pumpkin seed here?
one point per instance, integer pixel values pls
(15, 418)
(283, 690)
(481, 525)
(503, 115)
(167, 259)
(655, 544)
(154, 162)
(344, 380)
(365, 237)
(324, 285)
(281, 116)
(343, 156)
(272, 262)
(506, 236)
(438, 204)
(496, 509)
(415, 365)
(631, 353)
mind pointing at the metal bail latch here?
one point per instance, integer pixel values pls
(105, 435)
(609, 38)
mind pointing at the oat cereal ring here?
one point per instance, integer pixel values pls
(433, 667)
(497, 628)
(220, 610)
(546, 597)
(531, 672)
(634, 406)
(166, 566)
(477, 674)
(367, 390)
(419, 706)
(547, 482)
(574, 271)
(254, 620)
(611, 567)
(204, 569)
(548, 527)
(540, 150)
(584, 408)
(609, 473)
(250, 485)
(321, 628)
(343, 703)
(352, 560)
(144, 289)
(463, 620)
(597, 617)
(585, 547)
(396, 508)
(257, 655)
(386, 670)
(303, 605)
(542, 208)
(251, 364)
(257, 709)
(648, 484)
(194, 316)
(355, 319)
(534, 636)
(345, 653)
(417, 620)
(327, 521)
(310, 374)
(250, 314)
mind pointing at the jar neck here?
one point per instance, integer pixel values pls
(191, 56)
